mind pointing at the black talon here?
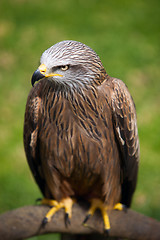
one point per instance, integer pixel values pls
(67, 220)
(86, 219)
(45, 221)
(38, 200)
(106, 232)
(125, 208)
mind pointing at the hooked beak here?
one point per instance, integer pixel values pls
(37, 75)
(41, 73)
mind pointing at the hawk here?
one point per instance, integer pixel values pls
(80, 132)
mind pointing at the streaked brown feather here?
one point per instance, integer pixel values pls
(83, 143)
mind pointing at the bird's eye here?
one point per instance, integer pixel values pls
(64, 68)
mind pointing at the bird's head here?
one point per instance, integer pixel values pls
(70, 63)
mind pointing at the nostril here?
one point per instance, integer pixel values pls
(42, 68)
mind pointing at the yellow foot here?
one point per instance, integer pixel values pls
(97, 203)
(65, 203)
(120, 207)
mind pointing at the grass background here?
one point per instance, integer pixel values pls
(125, 34)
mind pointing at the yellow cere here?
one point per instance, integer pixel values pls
(42, 68)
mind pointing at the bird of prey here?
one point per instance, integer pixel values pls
(80, 132)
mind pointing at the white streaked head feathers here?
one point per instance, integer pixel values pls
(85, 64)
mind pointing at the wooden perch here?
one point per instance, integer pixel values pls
(26, 222)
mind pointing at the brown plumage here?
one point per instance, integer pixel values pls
(80, 129)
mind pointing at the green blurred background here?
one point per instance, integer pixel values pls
(125, 34)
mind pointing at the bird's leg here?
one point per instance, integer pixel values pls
(65, 203)
(95, 204)
(99, 204)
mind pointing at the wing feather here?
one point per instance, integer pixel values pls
(30, 137)
(125, 124)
